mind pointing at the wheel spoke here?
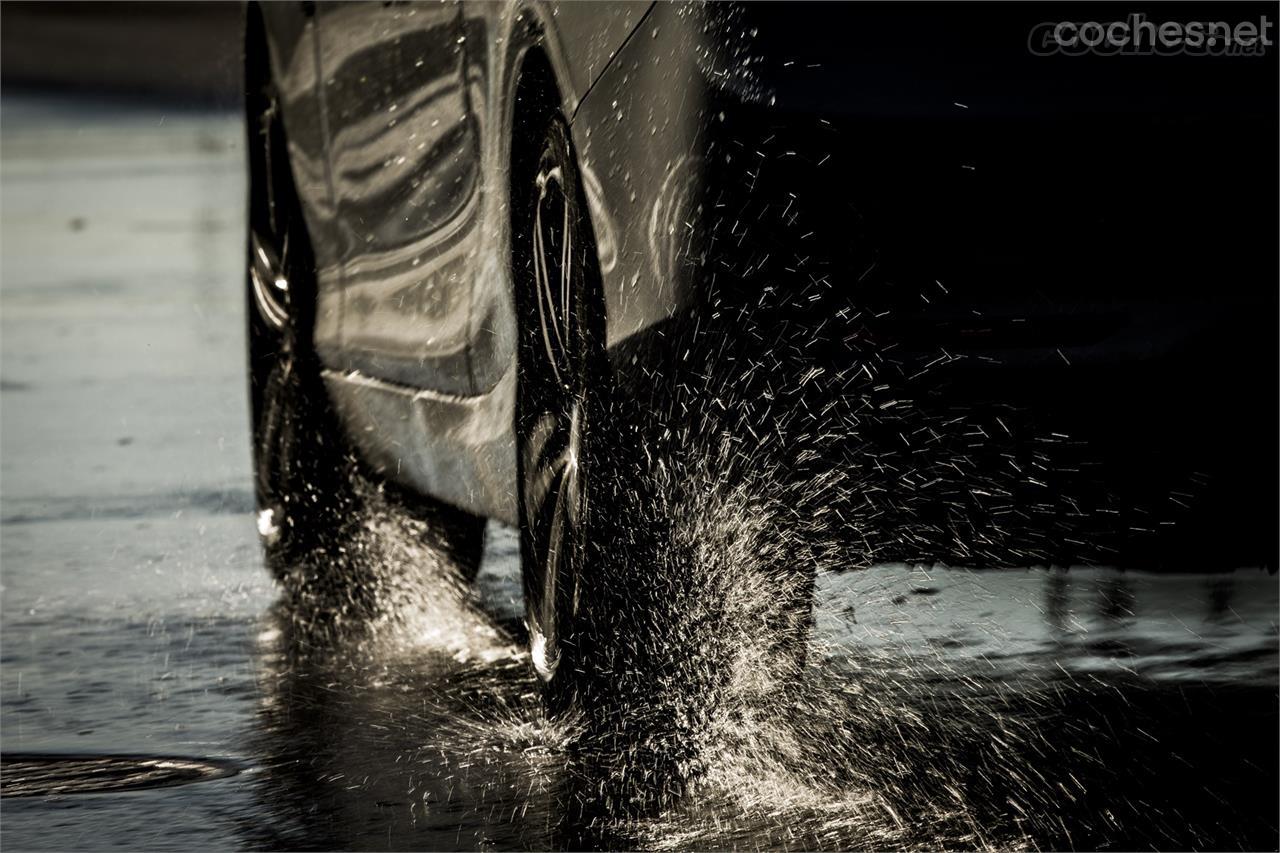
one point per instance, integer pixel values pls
(269, 280)
(551, 465)
(551, 297)
(566, 268)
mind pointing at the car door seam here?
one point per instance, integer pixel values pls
(599, 76)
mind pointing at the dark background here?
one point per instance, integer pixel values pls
(175, 52)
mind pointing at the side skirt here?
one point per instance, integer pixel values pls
(458, 449)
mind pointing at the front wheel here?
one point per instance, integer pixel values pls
(561, 372)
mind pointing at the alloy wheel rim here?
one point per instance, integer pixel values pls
(269, 224)
(554, 494)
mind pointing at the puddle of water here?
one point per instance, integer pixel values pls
(37, 775)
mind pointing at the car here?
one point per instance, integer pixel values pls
(469, 223)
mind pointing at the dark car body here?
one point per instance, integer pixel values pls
(1099, 228)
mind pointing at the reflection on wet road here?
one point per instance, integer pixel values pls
(938, 707)
(964, 715)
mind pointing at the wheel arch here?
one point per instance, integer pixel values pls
(538, 94)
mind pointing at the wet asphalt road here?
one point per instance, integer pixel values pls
(940, 707)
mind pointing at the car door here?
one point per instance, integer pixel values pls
(405, 170)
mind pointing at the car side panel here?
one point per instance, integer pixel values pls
(429, 423)
(404, 153)
(415, 415)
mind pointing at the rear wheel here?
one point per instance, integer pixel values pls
(290, 435)
(561, 368)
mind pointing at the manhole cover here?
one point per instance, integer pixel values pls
(34, 775)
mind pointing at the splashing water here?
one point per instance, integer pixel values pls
(746, 463)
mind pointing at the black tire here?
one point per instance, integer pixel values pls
(292, 436)
(562, 372)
